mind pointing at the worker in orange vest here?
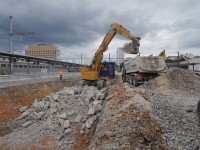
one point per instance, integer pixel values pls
(61, 73)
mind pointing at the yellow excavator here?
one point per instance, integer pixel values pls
(95, 74)
(162, 53)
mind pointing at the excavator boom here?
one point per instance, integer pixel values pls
(93, 73)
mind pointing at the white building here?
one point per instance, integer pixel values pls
(189, 56)
(15, 52)
(18, 52)
(120, 56)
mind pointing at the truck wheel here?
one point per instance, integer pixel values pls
(131, 80)
(135, 81)
(124, 78)
(101, 84)
(123, 74)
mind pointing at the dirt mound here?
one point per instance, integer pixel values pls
(176, 81)
(127, 122)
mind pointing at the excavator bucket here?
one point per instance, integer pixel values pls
(130, 48)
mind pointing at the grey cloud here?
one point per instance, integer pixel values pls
(81, 23)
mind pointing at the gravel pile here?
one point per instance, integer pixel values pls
(173, 98)
(57, 116)
(127, 122)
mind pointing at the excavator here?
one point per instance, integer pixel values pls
(94, 74)
(162, 53)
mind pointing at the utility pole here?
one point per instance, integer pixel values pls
(10, 35)
(109, 57)
(10, 40)
(10, 43)
(81, 59)
(178, 61)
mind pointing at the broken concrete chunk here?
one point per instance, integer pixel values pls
(88, 125)
(48, 98)
(91, 120)
(129, 89)
(78, 118)
(103, 90)
(26, 113)
(82, 132)
(55, 97)
(61, 121)
(79, 89)
(66, 124)
(23, 109)
(39, 115)
(68, 130)
(53, 105)
(91, 111)
(97, 108)
(83, 126)
(48, 123)
(27, 124)
(63, 115)
(95, 117)
(60, 136)
(70, 112)
(46, 105)
(97, 102)
(70, 92)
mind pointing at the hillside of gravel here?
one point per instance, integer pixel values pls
(176, 81)
(127, 122)
(160, 115)
(173, 97)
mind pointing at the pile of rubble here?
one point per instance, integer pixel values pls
(127, 122)
(173, 97)
(161, 114)
(185, 81)
(57, 115)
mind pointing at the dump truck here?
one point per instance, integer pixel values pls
(142, 68)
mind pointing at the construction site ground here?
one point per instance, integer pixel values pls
(159, 115)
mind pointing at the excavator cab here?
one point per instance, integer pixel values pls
(107, 70)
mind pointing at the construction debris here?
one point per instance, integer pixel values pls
(160, 114)
(130, 48)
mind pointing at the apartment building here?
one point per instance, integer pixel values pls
(120, 56)
(44, 51)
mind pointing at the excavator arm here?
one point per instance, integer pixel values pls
(162, 53)
(92, 74)
(115, 28)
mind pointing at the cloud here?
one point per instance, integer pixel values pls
(78, 27)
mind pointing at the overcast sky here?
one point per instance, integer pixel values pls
(78, 26)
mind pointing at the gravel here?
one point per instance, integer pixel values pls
(175, 106)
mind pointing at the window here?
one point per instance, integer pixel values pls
(3, 65)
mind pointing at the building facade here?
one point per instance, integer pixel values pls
(120, 56)
(19, 52)
(44, 51)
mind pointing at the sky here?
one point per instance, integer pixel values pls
(77, 27)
